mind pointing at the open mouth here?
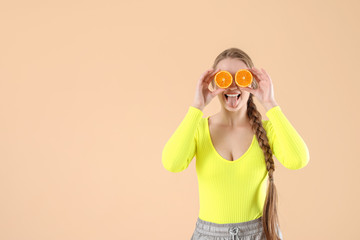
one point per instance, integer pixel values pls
(232, 95)
(232, 99)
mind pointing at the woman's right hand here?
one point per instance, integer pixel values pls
(203, 95)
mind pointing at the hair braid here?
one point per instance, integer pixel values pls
(270, 218)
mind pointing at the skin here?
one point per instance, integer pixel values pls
(230, 130)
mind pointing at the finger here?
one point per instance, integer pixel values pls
(264, 76)
(217, 91)
(210, 77)
(253, 71)
(256, 77)
(250, 90)
(203, 76)
(257, 73)
(265, 73)
(213, 74)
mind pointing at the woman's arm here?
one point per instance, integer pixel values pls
(285, 142)
(181, 147)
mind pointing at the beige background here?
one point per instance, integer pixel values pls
(90, 91)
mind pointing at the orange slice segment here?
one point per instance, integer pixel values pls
(243, 78)
(223, 79)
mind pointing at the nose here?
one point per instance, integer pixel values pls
(233, 85)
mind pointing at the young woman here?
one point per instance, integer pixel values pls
(234, 149)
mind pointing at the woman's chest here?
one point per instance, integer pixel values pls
(231, 144)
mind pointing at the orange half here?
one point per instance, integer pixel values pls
(223, 79)
(243, 78)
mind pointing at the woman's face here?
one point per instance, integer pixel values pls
(232, 65)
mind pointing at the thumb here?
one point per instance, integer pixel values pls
(217, 91)
(250, 90)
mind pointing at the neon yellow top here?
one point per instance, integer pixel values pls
(232, 191)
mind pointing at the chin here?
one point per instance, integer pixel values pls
(233, 109)
(237, 107)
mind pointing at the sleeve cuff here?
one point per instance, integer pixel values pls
(195, 111)
(273, 111)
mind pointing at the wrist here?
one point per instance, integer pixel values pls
(269, 105)
(198, 107)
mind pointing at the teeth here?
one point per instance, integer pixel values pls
(232, 95)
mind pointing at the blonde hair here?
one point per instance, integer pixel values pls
(270, 218)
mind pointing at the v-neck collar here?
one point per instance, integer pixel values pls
(216, 152)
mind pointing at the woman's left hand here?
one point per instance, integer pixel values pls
(265, 90)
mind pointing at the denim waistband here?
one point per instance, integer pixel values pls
(229, 229)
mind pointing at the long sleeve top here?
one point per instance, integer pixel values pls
(232, 191)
